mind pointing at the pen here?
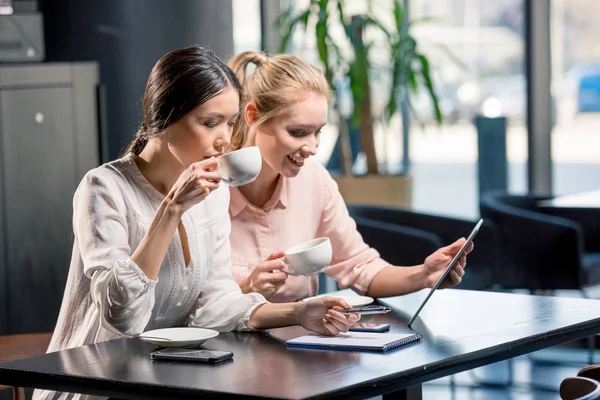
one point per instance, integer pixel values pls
(367, 310)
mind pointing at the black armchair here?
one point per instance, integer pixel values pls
(588, 220)
(482, 262)
(539, 251)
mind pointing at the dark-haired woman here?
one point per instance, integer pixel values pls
(152, 228)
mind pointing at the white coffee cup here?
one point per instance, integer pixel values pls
(240, 167)
(309, 258)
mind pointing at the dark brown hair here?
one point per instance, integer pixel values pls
(179, 82)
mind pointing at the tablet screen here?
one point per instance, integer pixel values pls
(448, 268)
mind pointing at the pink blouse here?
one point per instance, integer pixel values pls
(301, 208)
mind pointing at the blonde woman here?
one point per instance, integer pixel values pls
(294, 199)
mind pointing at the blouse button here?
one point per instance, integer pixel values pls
(178, 304)
(185, 288)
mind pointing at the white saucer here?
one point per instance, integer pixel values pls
(354, 301)
(178, 337)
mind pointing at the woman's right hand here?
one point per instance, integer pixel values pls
(320, 315)
(267, 277)
(194, 184)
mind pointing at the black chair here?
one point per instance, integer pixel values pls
(588, 220)
(540, 252)
(398, 245)
(482, 263)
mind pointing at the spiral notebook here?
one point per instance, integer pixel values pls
(356, 341)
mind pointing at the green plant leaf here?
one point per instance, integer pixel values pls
(412, 81)
(341, 13)
(357, 77)
(399, 15)
(370, 20)
(289, 24)
(359, 67)
(425, 72)
(322, 36)
(392, 105)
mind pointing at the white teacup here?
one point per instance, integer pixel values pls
(240, 167)
(309, 258)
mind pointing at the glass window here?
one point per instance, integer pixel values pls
(576, 89)
(246, 25)
(477, 54)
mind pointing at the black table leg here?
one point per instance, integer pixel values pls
(411, 393)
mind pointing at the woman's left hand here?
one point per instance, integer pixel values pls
(437, 262)
(320, 315)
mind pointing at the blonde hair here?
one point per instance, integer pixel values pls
(273, 86)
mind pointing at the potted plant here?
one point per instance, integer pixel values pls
(350, 61)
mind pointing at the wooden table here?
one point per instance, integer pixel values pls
(589, 199)
(461, 330)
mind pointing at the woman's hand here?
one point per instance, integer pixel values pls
(194, 184)
(267, 277)
(320, 315)
(437, 262)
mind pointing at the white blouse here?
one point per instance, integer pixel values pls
(108, 296)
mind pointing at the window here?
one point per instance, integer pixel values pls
(576, 90)
(246, 25)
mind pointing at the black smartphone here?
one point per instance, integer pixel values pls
(369, 327)
(192, 355)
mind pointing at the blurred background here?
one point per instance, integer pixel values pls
(516, 84)
(489, 79)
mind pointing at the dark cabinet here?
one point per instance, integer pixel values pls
(48, 139)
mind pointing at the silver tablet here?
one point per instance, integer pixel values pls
(448, 269)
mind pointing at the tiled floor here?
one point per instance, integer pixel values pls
(535, 377)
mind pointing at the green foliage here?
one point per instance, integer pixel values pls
(408, 68)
